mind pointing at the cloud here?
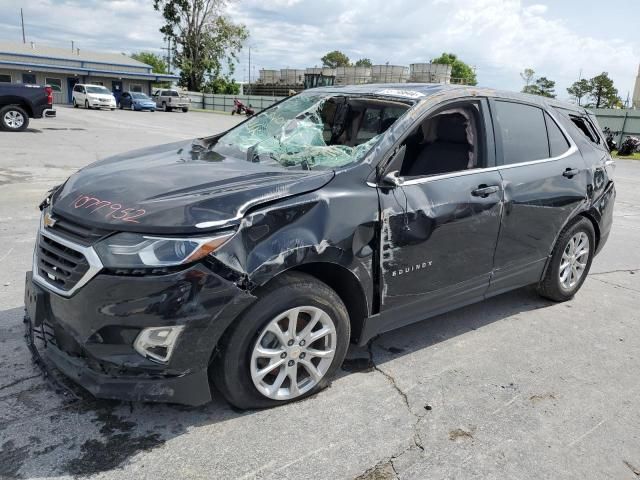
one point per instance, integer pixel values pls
(499, 37)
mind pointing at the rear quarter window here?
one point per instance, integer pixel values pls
(588, 130)
(523, 132)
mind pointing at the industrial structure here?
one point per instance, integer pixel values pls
(280, 82)
(62, 68)
(636, 92)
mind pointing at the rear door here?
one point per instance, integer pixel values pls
(545, 182)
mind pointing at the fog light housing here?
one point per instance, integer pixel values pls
(157, 343)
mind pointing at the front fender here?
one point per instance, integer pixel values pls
(309, 229)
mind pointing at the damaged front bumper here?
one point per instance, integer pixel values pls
(89, 336)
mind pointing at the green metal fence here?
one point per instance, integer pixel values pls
(626, 122)
(224, 103)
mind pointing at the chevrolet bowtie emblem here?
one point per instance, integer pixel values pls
(49, 221)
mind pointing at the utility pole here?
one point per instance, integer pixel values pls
(168, 49)
(24, 39)
(250, 89)
(72, 46)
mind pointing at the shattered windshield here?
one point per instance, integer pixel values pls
(313, 131)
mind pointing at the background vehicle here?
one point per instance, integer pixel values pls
(92, 96)
(20, 102)
(629, 146)
(252, 258)
(137, 101)
(240, 108)
(169, 100)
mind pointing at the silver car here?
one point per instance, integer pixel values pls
(169, 100)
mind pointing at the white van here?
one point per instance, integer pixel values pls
(93, 96)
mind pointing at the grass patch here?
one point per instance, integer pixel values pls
(635, 156)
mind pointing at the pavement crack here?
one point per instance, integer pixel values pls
(20, 380)
(627, 270)
(616, 285)
(416, 442)
(389, 377)
(635, 470)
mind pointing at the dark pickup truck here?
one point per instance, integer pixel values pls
(19, 103)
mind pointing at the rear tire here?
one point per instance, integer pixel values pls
(14, 118)
(185, 110)
(289, 296)
(75, 104)
(570, 261)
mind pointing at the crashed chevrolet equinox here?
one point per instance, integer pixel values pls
(249, 260)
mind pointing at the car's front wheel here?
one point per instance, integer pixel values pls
(570, 261)
(14, 118)
(286, 346)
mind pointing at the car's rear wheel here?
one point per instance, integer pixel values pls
(13, 118)
(570, 261)
(286, 346)
(185, 110)
(75, 104)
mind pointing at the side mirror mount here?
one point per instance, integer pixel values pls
(392, 179)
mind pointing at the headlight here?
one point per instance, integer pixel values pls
(132, 250)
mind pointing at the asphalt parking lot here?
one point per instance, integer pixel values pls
(516, 387)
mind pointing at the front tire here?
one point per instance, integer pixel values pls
(570, 261)
(14, 118)
(86, 105)
(286, 346)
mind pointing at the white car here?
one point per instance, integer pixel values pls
(93, 96)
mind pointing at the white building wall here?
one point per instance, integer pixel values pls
(636, 92)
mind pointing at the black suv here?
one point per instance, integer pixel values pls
(252, 258)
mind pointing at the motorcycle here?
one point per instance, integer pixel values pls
(630, 146)
(240, 108)
(611, 143)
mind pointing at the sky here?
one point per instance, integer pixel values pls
(561, 40)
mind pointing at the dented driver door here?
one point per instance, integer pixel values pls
(438, 237)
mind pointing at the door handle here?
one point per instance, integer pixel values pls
(570, 172)
(483, 191)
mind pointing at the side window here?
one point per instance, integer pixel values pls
(77, 88)
(585, 127)
(558, 143)
(450, 140)
(523, 132)
(370, 125)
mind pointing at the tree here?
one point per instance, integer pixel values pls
(155, 61)
(222, 85)
(602, 91)
(543, 87)
(205, 40)
(579, 90)
(460, 71)
(335, 59)
(363, 62)
(527, 76)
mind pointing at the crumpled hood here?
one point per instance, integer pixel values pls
(176, 188)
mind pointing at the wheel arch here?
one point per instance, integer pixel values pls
(345, 283)
(19, 103)
(573, 219)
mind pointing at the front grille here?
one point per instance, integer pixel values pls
(59, 265)
(76, 232)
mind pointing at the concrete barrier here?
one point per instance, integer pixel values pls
(224, 103)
